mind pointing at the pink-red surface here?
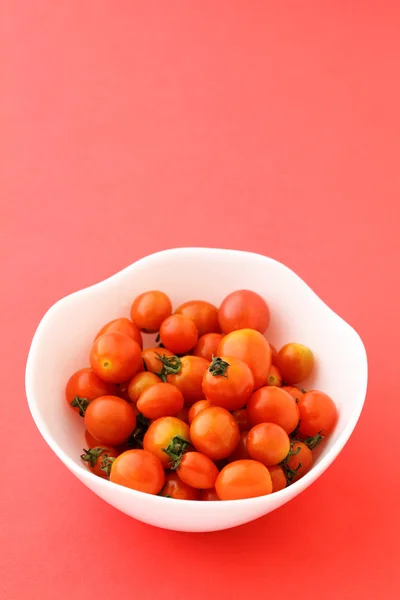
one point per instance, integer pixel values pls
(128, 127)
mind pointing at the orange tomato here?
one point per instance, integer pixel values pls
(160, 400)
(299, 461)
(189, 378)
(215, 433)
(242, 419)
(243, 479)
(139, 470)
(207, 345)
(295, 362)
(293, 391)
(141, 382)
(268, 443)
(151, 358)
(318, 413)
(272, 404)
(98, 460)
(243, 309)
(176, 488)
(122, 325)
(110, 420)
(149, 310)
(274, 376)
(240, 452)
(203, 314)
(196, 408)
(209, 495)
(83, 387)
(278, 477)
(228, 382)
(197, 470)
(178, 333)
(115, 357)
(252, 348)
(159, 435)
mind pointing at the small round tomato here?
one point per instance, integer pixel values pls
(207, 345)
(295, 362)
(215, 433)
(242, 419)
(228, 382)
(243, 479)
(91, 442)
(274, 376)
(149, 310)
(188, 377)
(83, 387)
(176, 488)
(209, 495)
(178, 334)
(243, 309)
(98, 460)
(318, 413)
(140, 383)
(293, 391)
(240, 452)
(152, 358)
(268, 443)
(272, 404)
(252, 348)
(299, 461)
(279, 481)
(274, 353)
(203, 314)
(159, 435)
(110, 420)
(122, 325)
(139, 470)
(115, 357)
(160, 400)
(196, 408)
(197, 470)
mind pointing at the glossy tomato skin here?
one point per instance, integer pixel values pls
(240, 452)
(233, 388)
(252, 348)
(96, 458)
(122, 325)
(151, 358)
(318, 413)
(300, 460)
(160, 400)
(189, 380)
(115, 357)
(272, 404)
(274, 376)
(91, 442)
(141, 382)
(293, 391)
(278, 477)
(243, 309)
(295, 362)
(196, 408)
(159, 436)
(207, 345)
(197, 470)
(274, 353)
(86, 384)
(150, 309)
(139, 470)
(268, 443)
(110, 420)
(242, 419)
(203, 314)
(177, 489)
(209, 495)
(183, 415)
(215, 433)
(243, 479)
(178, 333)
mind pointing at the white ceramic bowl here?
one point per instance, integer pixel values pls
(62, 341)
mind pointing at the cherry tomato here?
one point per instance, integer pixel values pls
(188, 377)
(293, 391)
(299, 461)
(159, 436)
(318, 413)
(122, 325)
(209, 495)
(183, 414)
(242, 419)
(272, 404)
(110, 420)
(274, 354)
(243, 479)
(160, 400)
(98, 460)
(151, 358)
(139, 470)
(279, 481)
(240, 452)
(215, 433)
(207, 345)
(228, 382)
(178, 334)
(83, 386)
(203, 314)
(91, 442)
(176, 488)
(197, 470)
(252, 348)
(149, 310)
(243, 309)
(268, 443)
(295, 362)
(141, 382)
(196, 408)
(274, 376)
(115, 357)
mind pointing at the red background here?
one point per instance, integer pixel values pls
(128, 127)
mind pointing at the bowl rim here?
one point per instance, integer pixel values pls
(82, 473)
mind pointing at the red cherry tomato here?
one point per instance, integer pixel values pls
(274, 376)
(122, 325)
(160, 400)
(207, 346)
(149, 310)
(215, 433)
(110, 420)
(152, 358)
(159, 435)
(196, 408)
(209, 495)
(176, 488)
(272, 404)
(268, 443)
(243, 309)
(243, 479)
(188, 377)
(295, 362)
(252, 348)
(98, 460)
(240, 452)
(203, 314)
(83, 387)
(140, 383)
(178, 334)
(299, 461)
(242, 419)
(278, 477)
(91, 442)
(318, 413)
(115, 357)
(197, 470)
(293, 391)
(183, 414)
(228, 382)
(139, 470)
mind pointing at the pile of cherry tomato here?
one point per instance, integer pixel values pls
(210, 412)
